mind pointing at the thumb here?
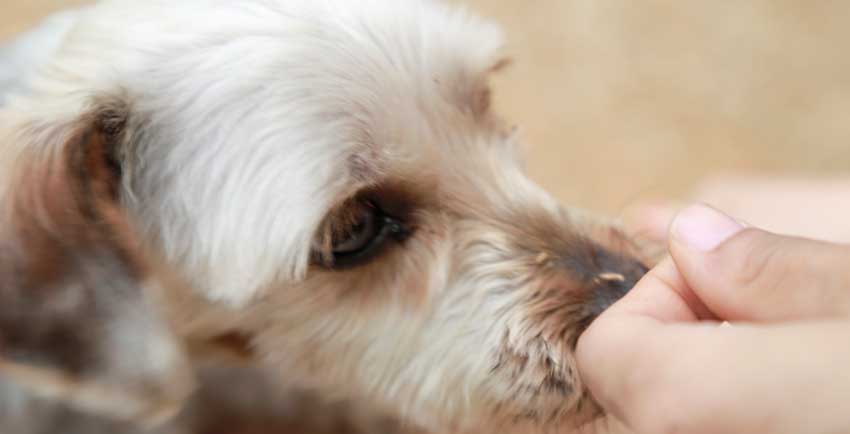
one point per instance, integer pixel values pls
(747, 274)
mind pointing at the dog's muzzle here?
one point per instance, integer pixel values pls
(616, 276)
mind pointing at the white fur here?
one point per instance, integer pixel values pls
(255, 96)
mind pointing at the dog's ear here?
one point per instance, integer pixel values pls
(77, 322)
(476, 93)
(481, 99)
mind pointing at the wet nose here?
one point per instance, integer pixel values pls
(615, 277)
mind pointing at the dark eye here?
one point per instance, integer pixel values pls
(365, 231)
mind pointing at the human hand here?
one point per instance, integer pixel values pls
(659, 362)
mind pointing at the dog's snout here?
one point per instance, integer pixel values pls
(611, 285)
(615, 276)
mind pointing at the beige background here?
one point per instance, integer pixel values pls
(623, 99)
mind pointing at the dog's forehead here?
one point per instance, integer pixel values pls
(342, 92)
(404, 85)
(256, 118)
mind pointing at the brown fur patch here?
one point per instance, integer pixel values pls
(73, 282)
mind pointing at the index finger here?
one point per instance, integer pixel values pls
(609, 351)
(662, 295)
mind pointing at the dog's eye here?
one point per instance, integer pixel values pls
(366, 227)
(359, 235)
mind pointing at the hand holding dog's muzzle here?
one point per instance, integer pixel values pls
(657, 361)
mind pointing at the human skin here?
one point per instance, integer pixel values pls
(660, 362)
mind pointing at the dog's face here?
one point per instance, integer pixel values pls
(451, 289)
(333, 174)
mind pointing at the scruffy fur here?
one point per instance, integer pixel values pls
(247, 131)
(77, 322)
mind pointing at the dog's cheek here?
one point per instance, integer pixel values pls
(361, 332)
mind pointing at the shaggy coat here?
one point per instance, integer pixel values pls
(328, 183)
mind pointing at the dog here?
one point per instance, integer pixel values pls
(329, 185)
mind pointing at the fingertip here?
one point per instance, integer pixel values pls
(662, 294)
(702, 228)
(650, 220)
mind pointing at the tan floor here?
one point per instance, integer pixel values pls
(619, 99)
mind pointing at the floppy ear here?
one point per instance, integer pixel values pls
(77, 324)
(480, 97)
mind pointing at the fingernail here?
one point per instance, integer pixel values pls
(703, 228)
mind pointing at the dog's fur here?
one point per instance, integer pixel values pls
(245, 137)
(77, 322)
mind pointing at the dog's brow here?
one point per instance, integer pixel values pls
(361, 168)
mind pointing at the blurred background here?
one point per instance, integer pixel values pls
(621, 100)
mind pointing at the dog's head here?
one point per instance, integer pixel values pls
(332, 174)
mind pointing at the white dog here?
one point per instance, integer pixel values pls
(329, 179)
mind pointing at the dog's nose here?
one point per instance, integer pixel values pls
(616, 276)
